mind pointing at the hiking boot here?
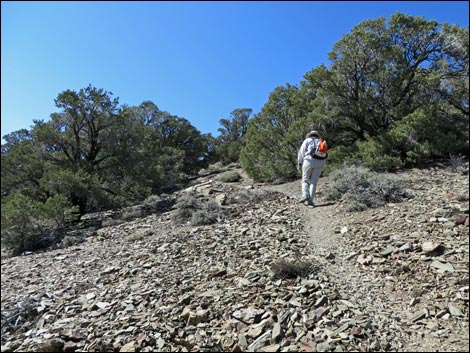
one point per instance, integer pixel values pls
(310, 204)
(303, 199)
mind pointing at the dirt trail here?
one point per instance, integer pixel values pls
(373, 295)
(397, 301)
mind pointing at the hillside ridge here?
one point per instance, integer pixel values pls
(393, 278)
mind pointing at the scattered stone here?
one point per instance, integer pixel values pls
(277, 333)
(430, 246)
(211, 288)
(442, 267)
(419, 316)
(249, 315)
(387, 251)
(364, 259)
(51, 345)
(323, 347)
(455, 311)
(128, 347)
(270, 348)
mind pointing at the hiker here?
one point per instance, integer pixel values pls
(312, 156)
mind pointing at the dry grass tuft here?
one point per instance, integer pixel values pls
(284, 269)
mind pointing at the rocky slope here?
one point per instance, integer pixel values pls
(388, 279)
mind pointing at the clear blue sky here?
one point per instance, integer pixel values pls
(197, 60)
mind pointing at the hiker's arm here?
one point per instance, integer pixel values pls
(301, 154)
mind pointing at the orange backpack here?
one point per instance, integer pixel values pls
(321, 152)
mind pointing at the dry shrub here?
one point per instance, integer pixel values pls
(186, 205)
(132, 212)
(196, 211)
(152, 200)
(21, 313)
(458, 164)
(284, 269)
(203, 217)
(188, 201)
(245, 197)
(139, 234)
(359, 188)
(210, 214)
(230, 176)
(70, 240)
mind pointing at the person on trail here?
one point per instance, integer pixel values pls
(312, 156)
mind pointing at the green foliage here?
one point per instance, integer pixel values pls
(27, 224)
(373, 155)
(274, 135)
(415, 139)
(337, 156)
(101, 156)
(19, 223)
(57, 209)
(399, 88)
(160, 149)
(22, 165)
(231, 140)
(83, 134)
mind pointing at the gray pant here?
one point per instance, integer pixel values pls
(311, 170)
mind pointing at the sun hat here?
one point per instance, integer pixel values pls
(313, 133)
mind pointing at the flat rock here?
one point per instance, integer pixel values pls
(442, 267)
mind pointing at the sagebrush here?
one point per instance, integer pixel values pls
(284, 269)
(359, 188)
(197, 211)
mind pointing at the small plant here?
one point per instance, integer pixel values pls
(213, 206)
(197, 212)
(359, 188)
(230, 176)
(29, 225)
(216, 166)
(139, 234)
(245, 197)
(22, 312)
(284, 269)
(152, 200)
(458, 164)
(135, 236)
(70, 240)
(188, 201)
(185, 206)
(462, 197)
(342, 178)
(133, 212)
(203, 217)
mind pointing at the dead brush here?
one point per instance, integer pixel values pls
(230, 176)
(196, 211)
(19, 314)
(360, 188)
(284, 269)
(458, 164)
(245, 197)
(204, 217)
